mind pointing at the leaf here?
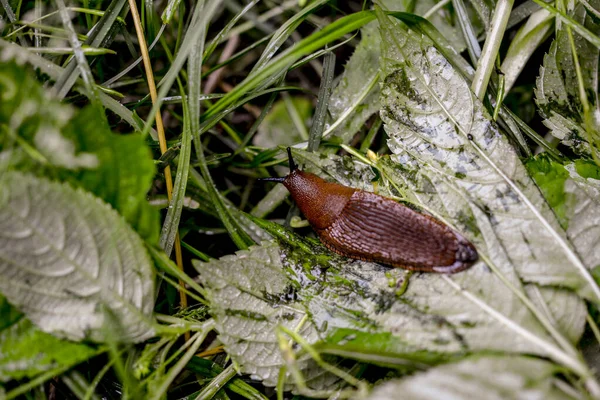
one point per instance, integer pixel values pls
(356, 309)
(250, 295)
(124, 174)
(26, 352)
(361, 73)
(484, 378)
(278, 127)
(575, 199)
(557, 89)
(68, 261)
(78, 147)
(436, 126)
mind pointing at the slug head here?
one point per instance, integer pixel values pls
(320, 201)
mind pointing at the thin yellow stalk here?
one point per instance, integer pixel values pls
(161, 132)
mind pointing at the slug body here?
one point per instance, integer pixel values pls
(366, 226)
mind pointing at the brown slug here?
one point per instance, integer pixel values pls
(370, 227)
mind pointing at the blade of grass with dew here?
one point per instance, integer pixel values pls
(332, 32)
(316, 129)
(491, 47)
(171, 223)
(467, 30)
(191, 115)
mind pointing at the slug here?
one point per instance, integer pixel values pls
(366, 226)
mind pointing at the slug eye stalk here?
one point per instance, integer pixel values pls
(293, 165)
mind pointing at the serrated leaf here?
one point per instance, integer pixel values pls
(250, 295)
(484, 378)
(124, 174)
(557, 88)
(355, 309)
(68, 261)
(575, 199)
(26, 352)
(362, 70)
(437, 126)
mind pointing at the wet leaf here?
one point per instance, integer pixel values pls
(71, 263)
(439, 129)
(485, 378)
(250, 295)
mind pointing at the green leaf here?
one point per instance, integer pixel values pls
(124, 174)
(438, 128)
(278, 128)
(490, 377)
(557, 88)
(71, 263)
(550, 177)
(26, 352)
(78, 147)
(573, 192)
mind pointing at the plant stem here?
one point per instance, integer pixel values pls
(491, 47)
